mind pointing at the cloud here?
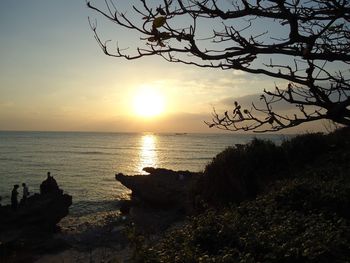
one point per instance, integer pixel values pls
(6, 104)
(239, 73)
(213, 83)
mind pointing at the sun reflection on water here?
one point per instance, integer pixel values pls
(148, 155)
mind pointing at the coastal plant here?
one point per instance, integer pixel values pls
(302, 216)
(136, 241)
(307, 229)
(243, 171)
(240, 172)
(304, 149)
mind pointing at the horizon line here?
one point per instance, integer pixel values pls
(151, 132)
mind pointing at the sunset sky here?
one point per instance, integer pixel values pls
(54, 77)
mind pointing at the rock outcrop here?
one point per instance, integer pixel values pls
(161, 188)
(33, 220)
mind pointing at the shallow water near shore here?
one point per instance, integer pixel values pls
(84, 164)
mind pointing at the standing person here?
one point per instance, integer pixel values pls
(14, 194)
(49, 186)
(44, 187)
(25, 193)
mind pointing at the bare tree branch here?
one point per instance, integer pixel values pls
(314, 48)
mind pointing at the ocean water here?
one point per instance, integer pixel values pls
(84, 164)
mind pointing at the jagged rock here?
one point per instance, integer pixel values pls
(125, 206)
(161, 188)
(37, 217)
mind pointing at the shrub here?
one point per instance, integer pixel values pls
(304, 149)
(304, 227)
(238, 172)
(241, 172)
(304, 216)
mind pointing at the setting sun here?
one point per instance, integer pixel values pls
(148, 103)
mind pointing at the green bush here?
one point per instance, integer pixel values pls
(294, 224)
(241, 172)
(302, 216)
(304, 149)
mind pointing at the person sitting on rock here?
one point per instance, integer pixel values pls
(25, 193)
(14, 194)
(49, 186)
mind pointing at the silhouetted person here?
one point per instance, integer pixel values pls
(14, 194)
(49, 186)
(25, 193)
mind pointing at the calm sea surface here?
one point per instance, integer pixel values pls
(84, 164)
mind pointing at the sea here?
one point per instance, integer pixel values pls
(85, 163)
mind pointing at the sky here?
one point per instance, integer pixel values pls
(54, 77)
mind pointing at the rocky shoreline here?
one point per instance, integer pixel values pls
(32, 234)
(159, 198)
(29, 229)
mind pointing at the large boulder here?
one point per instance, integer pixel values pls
(39, 214)
(161, 188)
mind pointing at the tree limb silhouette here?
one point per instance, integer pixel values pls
(312, 56)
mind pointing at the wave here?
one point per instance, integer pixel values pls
(86, 207)
(31, 154)
(99, 147)
(95, 153)
(85, 163)
(10, 159)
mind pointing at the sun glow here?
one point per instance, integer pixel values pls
(148, 103)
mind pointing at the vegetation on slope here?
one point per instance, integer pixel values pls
(303, 216)
(243, 171)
